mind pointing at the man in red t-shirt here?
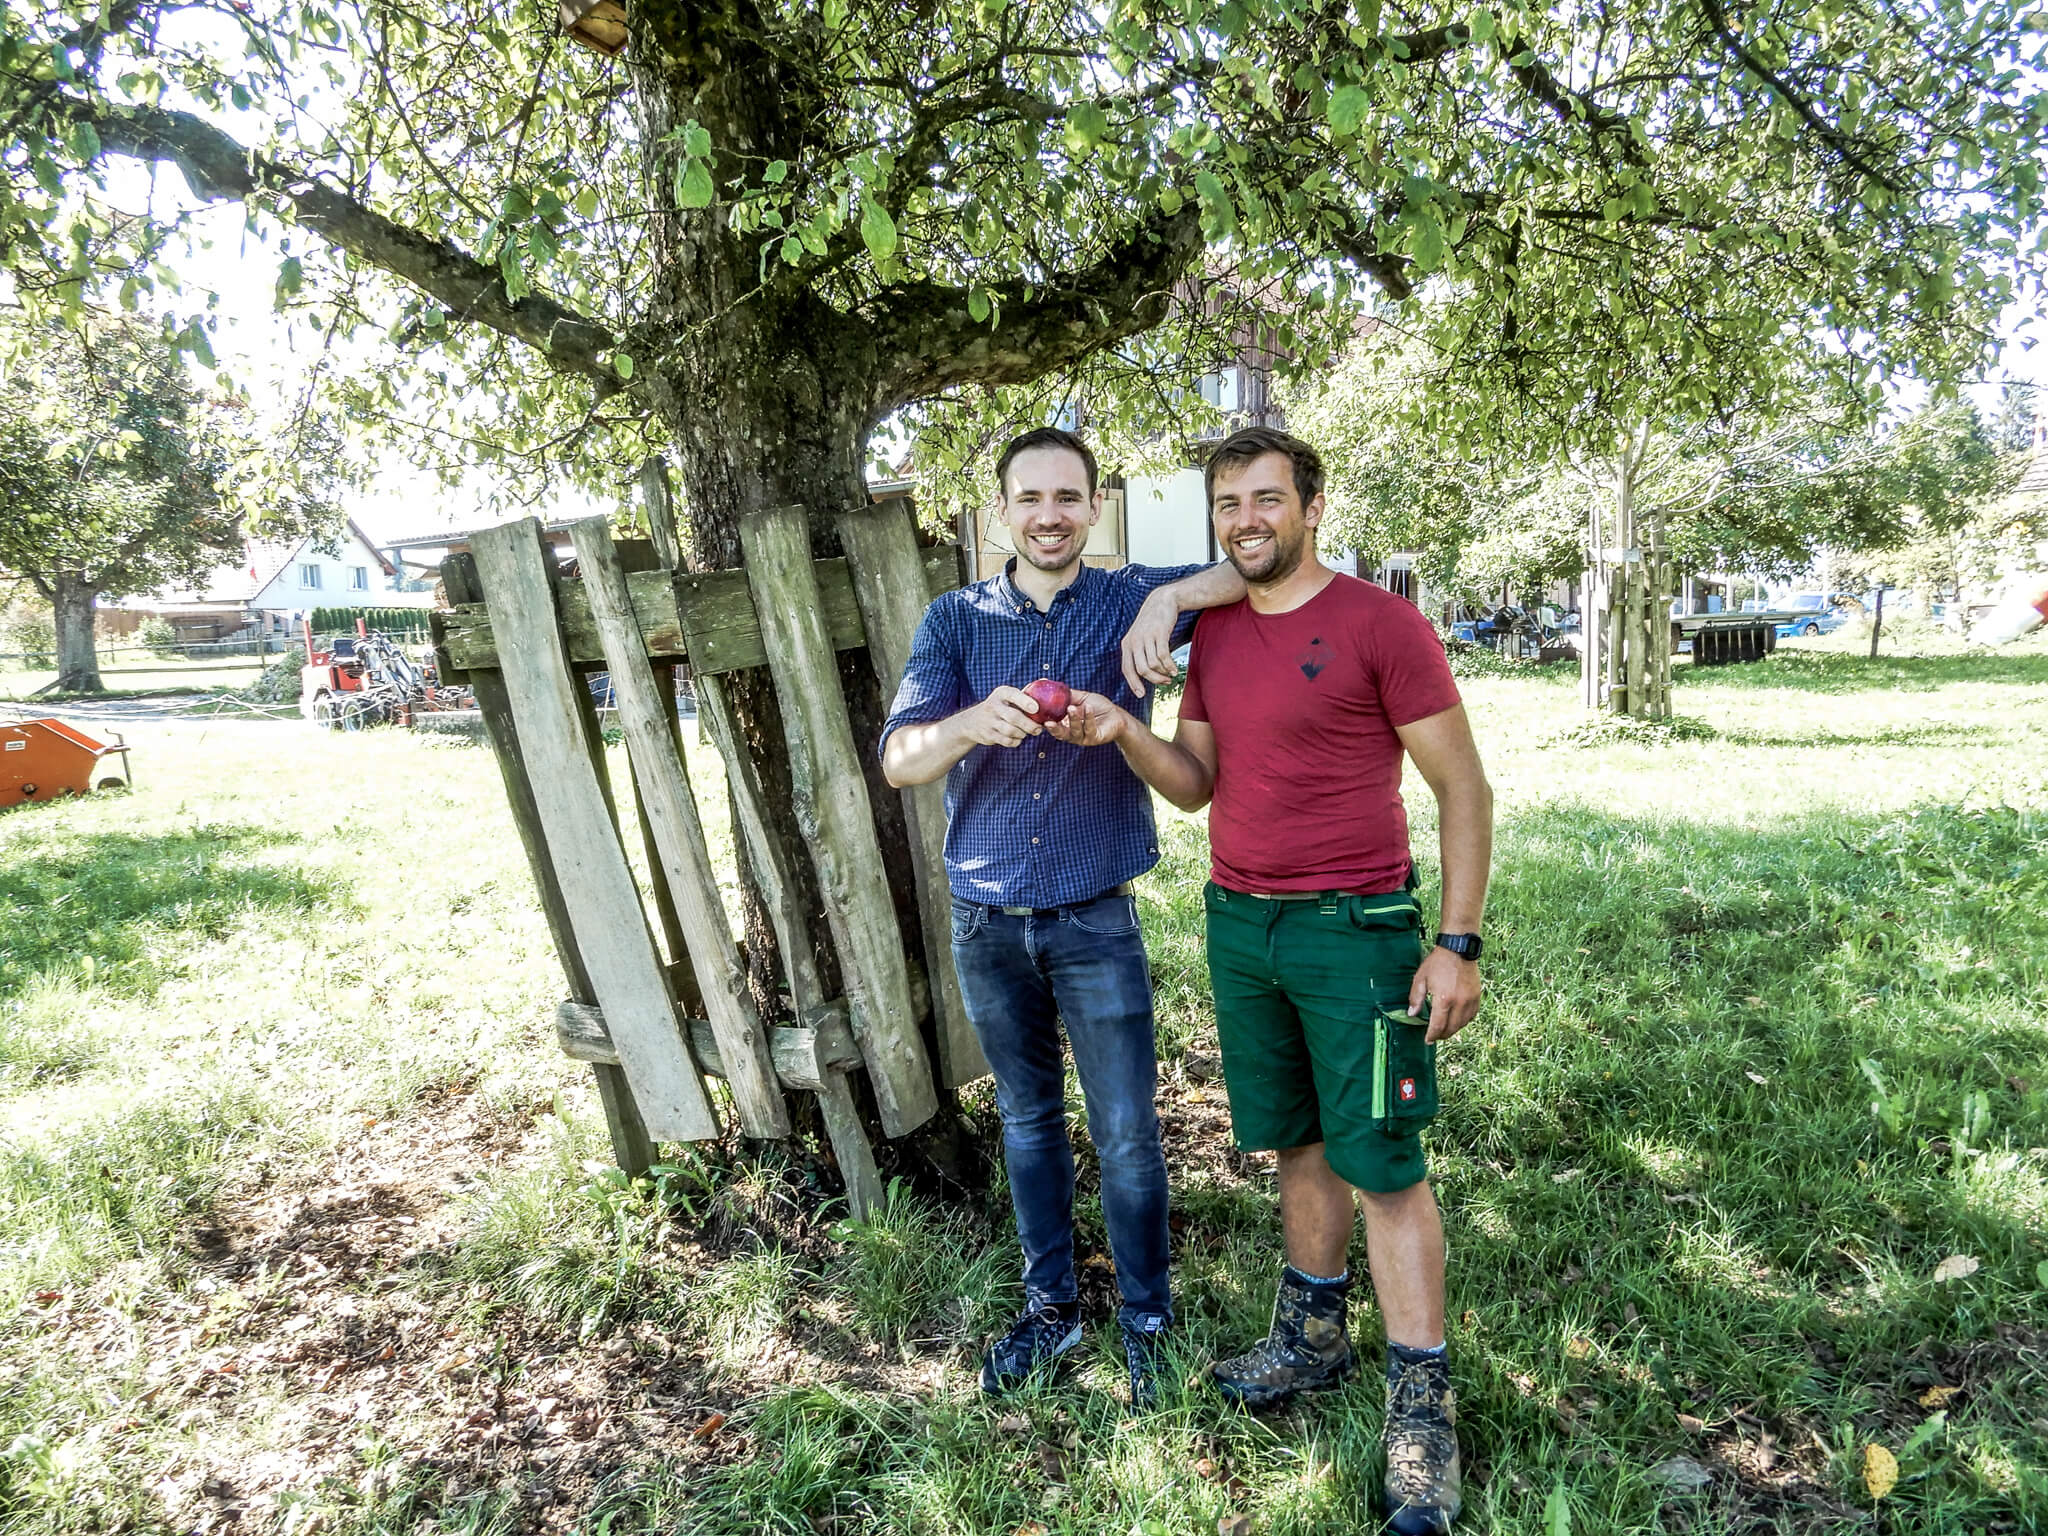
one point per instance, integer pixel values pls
(1300, 703)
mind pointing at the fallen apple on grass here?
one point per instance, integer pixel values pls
(1052, 698)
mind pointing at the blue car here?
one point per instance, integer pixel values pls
(1812, 624)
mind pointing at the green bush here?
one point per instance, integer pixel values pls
(390, 621)
(157, 637)
(34, 638)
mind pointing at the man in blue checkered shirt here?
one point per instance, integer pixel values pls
(1043, 839)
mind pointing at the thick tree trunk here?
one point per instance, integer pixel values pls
(78, 663)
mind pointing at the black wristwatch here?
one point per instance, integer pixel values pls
(1466, 946)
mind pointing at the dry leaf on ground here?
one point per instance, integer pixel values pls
(1934, 1397)
(1031, 1528)
(1955, 1267)
(1880, 1470)
(1013, 1424)
(1234, 1525)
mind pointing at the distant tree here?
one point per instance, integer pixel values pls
(117, 475)
(2012, 426)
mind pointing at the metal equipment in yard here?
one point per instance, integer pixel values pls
(49, 760)
(368, 679)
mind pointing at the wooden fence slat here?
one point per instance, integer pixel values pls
(804, 1055)
(722, 617)
(772, 863)
(831, 803)
(602, 900)
(890, 584)
(648, 721)
(631, 1145)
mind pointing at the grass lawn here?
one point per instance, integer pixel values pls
(139, 672)
(306, 1225)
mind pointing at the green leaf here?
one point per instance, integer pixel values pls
(1481, 24)
(1087, 126)
(696, 141)
(776, 171)
(1170, 201)
(977, 304)
(2041, 1273)
(877, 229)
(622, 364)
(1557, 1512)
(693, 190)
(586, 203)
(85, 140)
(792, 249)
(198, 345)
(289, 276)
(1347, 108)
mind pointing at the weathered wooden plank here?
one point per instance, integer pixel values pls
(802, 1054)
(772, 864)
(631, 1145)
(721, 616)
(661, 512)
(831, 803)
(648, 719)
(890, 584)
(598, 890)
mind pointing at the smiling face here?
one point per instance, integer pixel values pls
(1261, 525)
(1049, 509)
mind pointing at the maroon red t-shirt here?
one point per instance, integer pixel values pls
(1308, 765)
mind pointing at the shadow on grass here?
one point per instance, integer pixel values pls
(126, 909)
(1846, 672)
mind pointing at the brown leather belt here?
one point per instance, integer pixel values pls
(1123, 889)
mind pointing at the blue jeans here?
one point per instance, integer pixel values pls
(1022, 977)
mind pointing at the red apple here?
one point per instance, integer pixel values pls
(1051, 697)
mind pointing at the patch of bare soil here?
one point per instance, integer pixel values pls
(316, 1349)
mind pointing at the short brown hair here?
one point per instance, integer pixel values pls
(1043, 437)
(1249, 443)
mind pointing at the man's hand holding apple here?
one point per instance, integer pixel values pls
(1003, 719)
(1090, 721)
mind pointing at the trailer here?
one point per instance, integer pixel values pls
(49, 760)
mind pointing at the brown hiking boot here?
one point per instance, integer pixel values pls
(1307, 1350)
(1424, 1485)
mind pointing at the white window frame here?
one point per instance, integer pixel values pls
(359, 578)
(309, 576)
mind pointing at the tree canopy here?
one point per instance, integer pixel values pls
(764, 228)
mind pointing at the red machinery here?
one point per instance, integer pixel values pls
(48, 760)
(367, 680)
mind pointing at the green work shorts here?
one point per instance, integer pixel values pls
(1312, 1012)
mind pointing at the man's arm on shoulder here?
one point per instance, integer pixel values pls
(1148, 644)
(1448, 759)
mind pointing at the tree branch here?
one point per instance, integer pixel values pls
(218, 168)
(929, 342)
(1830, 135)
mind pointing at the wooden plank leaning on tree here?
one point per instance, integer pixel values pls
(720, 615)
(831, 803)
(773, 866)
(889, 582)
(631, 1145)
(648, 719)
(804, 1054)
(598, 889)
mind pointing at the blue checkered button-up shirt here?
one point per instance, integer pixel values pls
(1046, 823)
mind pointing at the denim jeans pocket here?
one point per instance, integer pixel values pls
(968, 920)
(1107, 915)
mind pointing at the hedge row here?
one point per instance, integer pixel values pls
(392, 621)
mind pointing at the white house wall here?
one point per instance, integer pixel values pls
(284, 593)
(1167, 519)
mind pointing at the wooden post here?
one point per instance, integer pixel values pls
(889, 581)
(661, 513)
(602, 900)
(831, 803)
(631, 1145)
(648, 720)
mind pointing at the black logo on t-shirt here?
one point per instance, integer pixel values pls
(1315, 658)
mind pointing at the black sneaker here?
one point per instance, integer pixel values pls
(1035, 1339)
(1144, 1350)
(1424, 1482)
(1308, 1349)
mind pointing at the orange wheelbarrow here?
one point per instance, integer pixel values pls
(48, 760)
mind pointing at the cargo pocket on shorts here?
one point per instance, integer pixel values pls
(1404, 1092)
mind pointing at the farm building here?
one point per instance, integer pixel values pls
(264, 592)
